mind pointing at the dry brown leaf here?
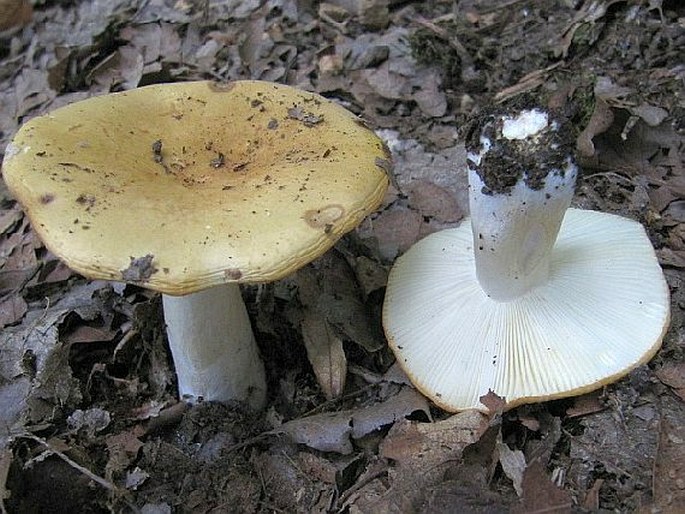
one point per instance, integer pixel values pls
(650, 114)
(122, 69)
(669, 467)
(410, 442)
(122, 449)
(540, 494)
(673, 375)
(493, 402)
(591, 501)
(513, 464)
(12, 309)
(404, 403)
(396, 229)
(9, 218)
(422, 452)
(530, 422)
(325, 353)
(673, 258)
(328, 432)
(329, 289)
(585, 404)
(433, 201)
(296, 483)
(89, 334)
(91, 420)
(332, 432)
(5, 463)
(601, 119)
(14, 13)
(371, 275)
(588, 15)
(54, 271)
(21, 254)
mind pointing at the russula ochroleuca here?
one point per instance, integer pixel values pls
(527, 298)
(190, 189)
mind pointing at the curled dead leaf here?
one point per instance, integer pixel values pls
(325, 353)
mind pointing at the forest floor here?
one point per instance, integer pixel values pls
(90, 420)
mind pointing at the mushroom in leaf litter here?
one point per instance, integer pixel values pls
(190, 189)
(528, 298)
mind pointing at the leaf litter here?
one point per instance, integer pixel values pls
(89, 416)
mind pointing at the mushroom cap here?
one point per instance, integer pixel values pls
(603, 311)
(179, 187)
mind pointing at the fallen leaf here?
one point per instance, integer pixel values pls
(328, 432)
(332, 432)
(650, 114)
(669, 466)
(540, 494)
(585, 404)
(122, 450)
(396, 375)
(370, 274)
(513, 464)
(434, 201)
(89, 334)
(329, 288)
(5, 463)
(91, 420)
(9, 218)
(291, 486)
(411, 442)
(673, 258)
(12, 310)
(371, 13)
(135, 478)
(396, 408)
(673, 375)
(591, 501)
(601, 119)
(494, 403)
(422, 454)
(15, 13)
(325, 353)
(52, 271)
(396, 229)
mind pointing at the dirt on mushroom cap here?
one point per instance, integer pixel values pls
(208, 182)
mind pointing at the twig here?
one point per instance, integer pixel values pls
(122, 494)
(98, 479)
(450, 39)
(359, 484)
(526, 83)
(499, 7)
(593, 454)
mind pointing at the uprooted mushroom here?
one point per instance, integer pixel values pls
(528, 299)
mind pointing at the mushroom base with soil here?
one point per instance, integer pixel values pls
(214, 350)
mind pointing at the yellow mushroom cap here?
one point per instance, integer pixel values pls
(183, 186)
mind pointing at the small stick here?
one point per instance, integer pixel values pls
(98, 479)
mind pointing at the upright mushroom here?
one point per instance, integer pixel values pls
(528, 299)
(190, 189)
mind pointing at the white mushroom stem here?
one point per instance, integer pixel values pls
(514, 231)
(213, 347)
